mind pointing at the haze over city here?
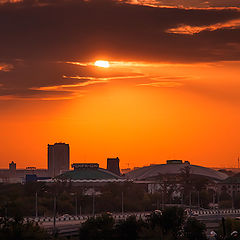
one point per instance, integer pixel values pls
(167, 87)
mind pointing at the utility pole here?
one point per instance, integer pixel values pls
(36, 204)
(198, 199)
(6, 210)
(122, 204)
(213, 200)
(54, 213)
(233, 195)
(93, 204)
(190, 199)
(76, 205)
(162, 200)
(182, 198)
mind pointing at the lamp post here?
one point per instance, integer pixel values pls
(54, 213)
(36, 204)
(122, 204)
(93, 203)
(190, 199)
(6, 209)
(198, 194)
(76, 202)
(162, 200)
(76, 205)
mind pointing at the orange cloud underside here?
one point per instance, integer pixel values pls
(190, 30)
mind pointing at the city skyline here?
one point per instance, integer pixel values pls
(58, 159)
(160, 83)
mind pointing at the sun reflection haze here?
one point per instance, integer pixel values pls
(102, 63)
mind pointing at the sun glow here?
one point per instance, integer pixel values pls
(102, 63)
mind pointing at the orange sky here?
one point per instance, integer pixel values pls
(172, 111)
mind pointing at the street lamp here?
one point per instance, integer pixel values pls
(198, 194)
(76, 205)
(36, 204)
(6, 209)
(122, 204)
(93, 203)
(54, 213)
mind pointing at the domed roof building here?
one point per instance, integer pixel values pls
(174, 167)
(88, 171)
(87, 174)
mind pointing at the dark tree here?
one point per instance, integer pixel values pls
(16, 229)
(194, 230)
(130, 228)
(172, 221)
(99, 228)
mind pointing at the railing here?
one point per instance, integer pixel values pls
(216, 212)
(137, 214)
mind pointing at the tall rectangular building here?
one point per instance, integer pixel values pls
(58, 158)
(113, 165)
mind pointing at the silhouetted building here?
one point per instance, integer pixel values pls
(113, 165)
(125, 170)
(14, 175)
(89, 175)
(12, 168)
(58, 158)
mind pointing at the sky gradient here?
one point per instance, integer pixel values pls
(172, 90)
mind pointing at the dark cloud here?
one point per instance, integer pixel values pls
(36, 35)
(187, 3)
(46, 78)
(80, 30)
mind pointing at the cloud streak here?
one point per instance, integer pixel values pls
(190, 4)
(190, 30)
(86, 81)
(5, 67)
(162, 84)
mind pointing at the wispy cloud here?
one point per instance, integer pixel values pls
(187, 4)
(9, 1)
(5, 67)
(83, 64)
(162, 84)
(85, 81)
(132, 64)
(50, 98)
(166, 81)
(190, 30)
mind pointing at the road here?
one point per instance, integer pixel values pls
(70, 226)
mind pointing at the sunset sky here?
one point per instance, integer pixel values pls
(171, 91)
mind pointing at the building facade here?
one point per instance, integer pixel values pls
(113, 165)
(58, 158)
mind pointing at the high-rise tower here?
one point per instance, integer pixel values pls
(113, 165)
(58, 158)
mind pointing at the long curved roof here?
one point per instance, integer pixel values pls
(88, 174)
(174, 169)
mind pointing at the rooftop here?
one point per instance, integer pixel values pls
(88, 173)
(173, 167)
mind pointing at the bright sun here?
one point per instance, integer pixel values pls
(102, 63)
